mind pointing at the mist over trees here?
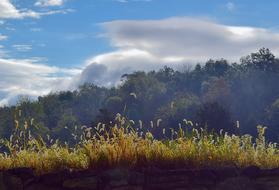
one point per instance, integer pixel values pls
(214, 95)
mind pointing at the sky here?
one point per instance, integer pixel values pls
(51, 45)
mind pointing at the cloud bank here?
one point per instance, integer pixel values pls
(151, 44)
(29, 77)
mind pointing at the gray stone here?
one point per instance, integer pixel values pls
(12, 182)
(136, 178)
(251, 171)
(41, 187)
(166, 179)
(54, 179)
(237, 183)
(117, 183)
(115, 174)
(22, 173)
(168, 185)
(88, 183)
(226, 172)
(128, 188)
(268, 183)
(2, 185)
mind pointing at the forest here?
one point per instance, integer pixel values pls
(216, 95)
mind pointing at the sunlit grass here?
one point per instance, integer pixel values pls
(122, 144)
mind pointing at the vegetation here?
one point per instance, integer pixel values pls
(121, 144)
(215, 94)
(187, 118)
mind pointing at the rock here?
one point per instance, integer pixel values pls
(196, 188)
(54, 179)
(22, 173)
(204, 177)
(2, 184)
(226, 172)
(41, 187)
(251, 171)
(167, 179)
(269, 172)
(87, 183)
(12, 182)
(274, 172)
(136, 178)
(82, 173)
(156, 172)
(168, 185)
(230, 178)
(128, 188)
(117, 183)
(237, 183)
(115, 177)
(25, 174)
(164, 176)
(268, 183)
(115, 174)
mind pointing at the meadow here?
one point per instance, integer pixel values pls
(125, 143)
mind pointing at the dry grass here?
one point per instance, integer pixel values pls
(122, 145)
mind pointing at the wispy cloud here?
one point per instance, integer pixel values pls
(22, 47)
(48, 3)
(3, 37)
(9, 11)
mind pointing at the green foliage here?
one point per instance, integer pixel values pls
(182, 106)
(215, 117)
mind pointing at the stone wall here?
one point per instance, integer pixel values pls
(226, 178)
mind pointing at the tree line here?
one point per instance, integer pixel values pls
(235, 97)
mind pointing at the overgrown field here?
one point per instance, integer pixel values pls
(123, 144)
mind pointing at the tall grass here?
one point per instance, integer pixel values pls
(123, 144)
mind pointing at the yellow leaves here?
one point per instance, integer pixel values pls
(25, 125)
(16, 124)
(149, 136)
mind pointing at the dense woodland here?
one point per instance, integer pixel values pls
(215, 95)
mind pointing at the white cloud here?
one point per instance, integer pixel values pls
(47, 3)
(9, 11)
(28, 77)
(151, 44)
(22, 47)
(106, 69)
(3, 37)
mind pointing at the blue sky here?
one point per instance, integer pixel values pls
(48, 45)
